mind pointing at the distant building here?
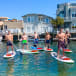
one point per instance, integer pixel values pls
(13, 25)
(37, 23)
(68, 12)
(3, 18)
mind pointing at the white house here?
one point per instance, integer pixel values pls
(37, 23)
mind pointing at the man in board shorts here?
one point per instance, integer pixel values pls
(47, 40)
(9, 39)
(36, 38)
(61, 36)
(24, 41)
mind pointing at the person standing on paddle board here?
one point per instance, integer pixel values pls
(36, 37)
(67, 40)
(9, 39)
(47, 40)
(61, 36)
(24, 41)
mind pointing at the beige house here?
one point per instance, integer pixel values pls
(13, 25)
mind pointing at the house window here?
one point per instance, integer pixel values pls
(73, 14)
(47, 20)
(28, 19)
(74, 25)
(46, 29)
(33, 27)
(25, 19)
(28, 29)
(32, 18)
(5, 27)
(0, 20)
(62, 15)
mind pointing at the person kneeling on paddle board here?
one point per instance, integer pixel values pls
(60, 36)
(36, 37)
(67, 40)
(9, 39)
(24, 41)
(47, 40)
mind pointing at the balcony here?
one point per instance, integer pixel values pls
(67, 19)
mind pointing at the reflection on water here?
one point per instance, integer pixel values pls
(10, 67)
(63, 69)
(41, 64)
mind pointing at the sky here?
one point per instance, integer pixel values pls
(18, 8)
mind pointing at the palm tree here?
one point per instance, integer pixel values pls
(58, 22)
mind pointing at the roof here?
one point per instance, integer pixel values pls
(3, 17)
(37, 15)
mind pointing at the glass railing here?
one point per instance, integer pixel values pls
(67, 19)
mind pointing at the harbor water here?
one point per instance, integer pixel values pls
(42, 64)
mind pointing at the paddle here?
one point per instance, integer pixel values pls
(15, 47)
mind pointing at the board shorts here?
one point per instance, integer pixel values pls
(35, 41)
(24, 42)
(68, 40)
(61, 44)
(47, 41)
(9, 43)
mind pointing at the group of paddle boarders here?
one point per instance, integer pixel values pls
(63, 40)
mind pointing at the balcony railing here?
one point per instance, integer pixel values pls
(73, 31)
(67, 19)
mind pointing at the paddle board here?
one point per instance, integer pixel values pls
(10, 54)
(62, 58)
(28, 51)
(48, 49)
(39, 48)
(67, 50)
(36, 48)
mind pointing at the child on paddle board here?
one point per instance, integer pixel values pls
(47, 40)
(61, 36)
(9, 39)
(24, 41)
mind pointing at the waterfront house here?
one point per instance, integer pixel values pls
(37, 23)
(68, 12)
(13, 25)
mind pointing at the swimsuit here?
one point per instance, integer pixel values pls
(47, 41)
(35, 41)
(68, 40)
(24, 42)
(61, 44)
(9, 43)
